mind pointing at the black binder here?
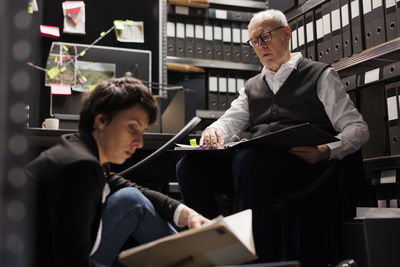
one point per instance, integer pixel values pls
(391, 20)
(327, 39)
(301, 36)
(208, 41)
(217, 41)
(372, 107)
(293, 28)
(350, 83)
(346, 31)
(199, 40)
(189, 40)
(319, 29)
(282, 5)
(227, 41)
(232, 91)
(369, 25)
(398, 15)
(182, 10)
(171, 10)
(310, 35)
(337, 40)
(378, 14)
(356, 26)
(370, 76)
(212, 93)
(196, 12)
(222, 93)
(392, 105)
(253, 57)
(211, 13)
(236, 42)
(180, 38)
(246, 48)
(391, 70)
(240, 16)
(171, 38)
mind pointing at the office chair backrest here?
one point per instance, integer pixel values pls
(168, 145)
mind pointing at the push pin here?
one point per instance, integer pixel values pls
(71, 19)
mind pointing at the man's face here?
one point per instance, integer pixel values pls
(274, 52)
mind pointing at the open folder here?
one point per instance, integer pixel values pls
(224, 241)
(303, 134)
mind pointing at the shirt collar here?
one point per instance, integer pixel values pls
(291, 64)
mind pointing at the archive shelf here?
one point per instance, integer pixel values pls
(216, 64)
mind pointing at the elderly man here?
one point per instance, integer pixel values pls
(290, 90)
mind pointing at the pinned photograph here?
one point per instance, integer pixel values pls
(129, 31)
(90, 74)
(60, 65)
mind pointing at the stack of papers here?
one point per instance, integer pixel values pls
(299, 135)
(364, 213)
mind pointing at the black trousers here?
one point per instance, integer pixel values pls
(256, 175)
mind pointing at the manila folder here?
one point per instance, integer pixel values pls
(224, 241)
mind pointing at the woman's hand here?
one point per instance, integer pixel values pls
(191, 218)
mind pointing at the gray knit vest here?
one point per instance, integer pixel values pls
(296, 101)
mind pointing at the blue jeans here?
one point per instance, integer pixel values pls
(128, 212)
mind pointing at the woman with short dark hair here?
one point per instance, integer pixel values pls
(84, 213)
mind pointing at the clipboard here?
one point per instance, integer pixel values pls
(304, 134)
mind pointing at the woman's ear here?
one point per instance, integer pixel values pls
(99, 122)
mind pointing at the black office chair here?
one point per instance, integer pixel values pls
(144, 165)
(340, 188)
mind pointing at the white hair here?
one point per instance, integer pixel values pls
(269, 15)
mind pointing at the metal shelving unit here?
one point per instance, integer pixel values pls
(216, 64)
(372, 58)
(382, 163)
(308, 5)
(239, 3)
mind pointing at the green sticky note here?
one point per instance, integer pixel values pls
(53, 72)
(55, 59)
(30, 9)
(65, 48)
(193, 142)
(129, 22)
(63, 69)
(119, 24)
(82, 53)
(91, 87)
(84, 78)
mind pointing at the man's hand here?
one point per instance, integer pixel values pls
(191, 218)
(212, 137)
(311, 154)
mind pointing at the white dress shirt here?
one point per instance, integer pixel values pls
(345, 119)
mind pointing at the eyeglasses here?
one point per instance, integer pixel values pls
(265, 37)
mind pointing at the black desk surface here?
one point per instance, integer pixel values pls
(39, 137)
(47, 137)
